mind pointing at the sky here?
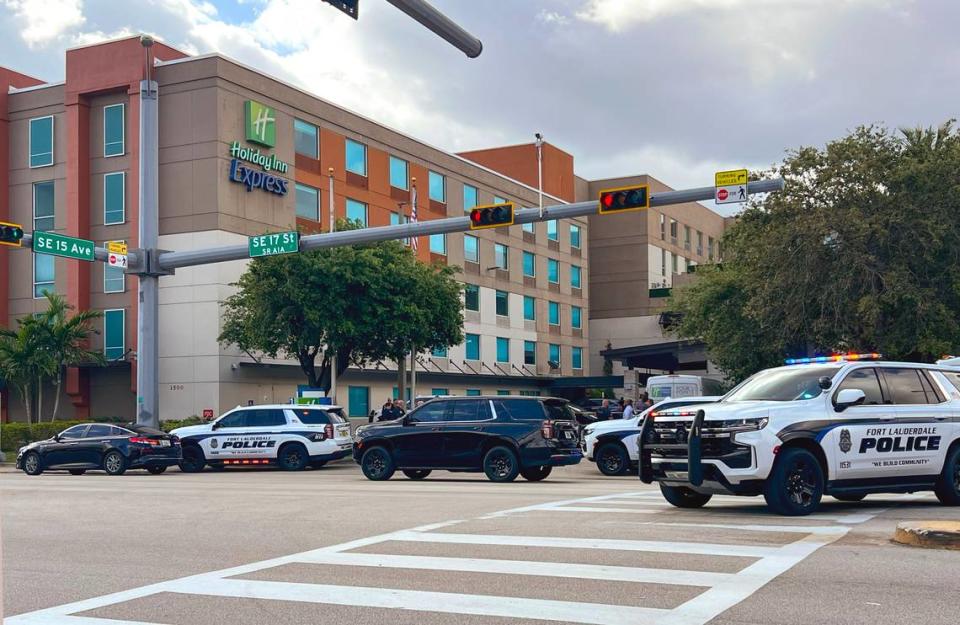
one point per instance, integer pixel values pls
(677, 89)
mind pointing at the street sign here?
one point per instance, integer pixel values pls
(117, 260)
(117, 247)
(60, 245)
(275, 243)
(731, 186)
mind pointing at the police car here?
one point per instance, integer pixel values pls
(612, 444)
(291, 437)
(845, 426)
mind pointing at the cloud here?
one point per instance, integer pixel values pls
(43, 21)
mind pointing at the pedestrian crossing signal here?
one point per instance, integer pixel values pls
(10, 234)
(624, 199)
(492, 216)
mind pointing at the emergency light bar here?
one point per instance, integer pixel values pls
(834, 358)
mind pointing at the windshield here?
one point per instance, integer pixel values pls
(782, 384)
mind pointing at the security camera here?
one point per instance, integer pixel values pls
(538, 136)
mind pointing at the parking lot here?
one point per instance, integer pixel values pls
(254, 546)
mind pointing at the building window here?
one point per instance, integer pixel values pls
(439, 352)
(690, 265)
(503, 392)
(554, 353)
(398, 173)
(356, 157)
(473, 347)
(308, 202)
(530, 227)
(114, 198)
(358, 401)
(499, 200)
(357, 211)
(529, 393)
(41, 141)
(43, 275)
(114, 345)
(396, 393)
(686, 237)
(503, 349)
(306, 139)
(663, 263)
(699, 243)
(503, 304)
(552, 232)
(43, 206)
(501, 256)
(529, 308)
(663, 226)
(529, 264)
(553, 271)
(114, 280)
(575, 317)
(710, 248)
(575, 276)
(469, 197)
(553, 316)
(675, 263)
(574, 236)
(529, 353)
(471, 297)
(438, 187)
(113, 130)
(473, 392)
(439, 392)
(673, 230)
(438, 244)
(576, 356)
(471, 248)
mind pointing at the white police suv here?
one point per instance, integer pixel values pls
(845, 426)
(289, 436)
(612, 444)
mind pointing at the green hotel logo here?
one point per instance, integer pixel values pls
(261, 123)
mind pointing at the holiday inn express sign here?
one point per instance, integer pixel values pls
(260, 123)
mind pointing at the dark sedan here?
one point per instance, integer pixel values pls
(101, 446)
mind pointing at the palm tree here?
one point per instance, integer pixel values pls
(21, 359)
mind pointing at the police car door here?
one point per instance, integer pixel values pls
(916, 443)
(847, 439)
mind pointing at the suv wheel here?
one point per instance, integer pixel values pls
(293, 457)
(795, 485)
(612, 459)
(377, 464)
(193, 460)
(535, 474)
(683, 497)
(948, 486)
(31, 464)
(114, 463)
(501, 465)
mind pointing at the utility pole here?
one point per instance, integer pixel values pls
(333, 359)
(539, 144)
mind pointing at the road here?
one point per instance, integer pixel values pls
(327, 546)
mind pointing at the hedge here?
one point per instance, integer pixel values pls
(13, 436)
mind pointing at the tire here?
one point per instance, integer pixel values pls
(795, 485)
(318, 464)
(683, 497)
(193, 460)
(501, 464)
(114, 463)
(416, 474)
(32, 464)
(849, 498)
(156, 469)
(377, 464)
(77, 471)
(948, 486)
(536, 474)
(293, 457)
(612, 459)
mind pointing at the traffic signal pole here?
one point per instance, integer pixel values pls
(148, 283)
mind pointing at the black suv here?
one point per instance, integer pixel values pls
(502, 436)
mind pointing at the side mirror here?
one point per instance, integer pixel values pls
(56, 437)
(215, 426)
(825, 382)
(849, 397)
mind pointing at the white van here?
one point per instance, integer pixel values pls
(660, 387)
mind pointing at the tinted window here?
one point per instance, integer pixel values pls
(118, 431)
(99, 431)
(904, 386)
(431, 412)
(560, 412)
(234, 420)
(265, 418)
(74, 432)
(866, 381)
(312, 417)
(520, 409)
(954, 378)
(478, 410)
(934, 396)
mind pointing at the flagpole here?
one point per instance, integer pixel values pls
(414, 246)
(333, 359)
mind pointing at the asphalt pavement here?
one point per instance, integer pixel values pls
(260, 546)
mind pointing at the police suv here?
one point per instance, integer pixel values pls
(291, 437)
(845, 426)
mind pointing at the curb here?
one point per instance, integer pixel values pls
(929, 534)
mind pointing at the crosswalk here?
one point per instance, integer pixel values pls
(708, 574)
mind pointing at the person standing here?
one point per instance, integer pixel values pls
(387, 412)
(627, 409)
(603, 413)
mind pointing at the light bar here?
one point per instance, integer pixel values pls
(834, 358)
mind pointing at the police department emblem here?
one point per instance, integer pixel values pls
(845, 442)
(214, 444)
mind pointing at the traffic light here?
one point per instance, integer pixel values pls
(492, 216)
(624, 199)
(10, 234)
(350, 7)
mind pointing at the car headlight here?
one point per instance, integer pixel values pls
(741, 425)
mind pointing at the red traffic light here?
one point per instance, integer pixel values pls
(10, 234)
(491, 216)
(624, 199)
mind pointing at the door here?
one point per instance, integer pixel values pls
(464, 432)
(220, 445)
(420, 440)
(94, 443)
(67, 449)
(917, 441)
(847, 438)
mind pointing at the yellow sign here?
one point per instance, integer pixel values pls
(729, 178)
(117, 247)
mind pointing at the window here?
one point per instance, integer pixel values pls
(576, 356)
(529, 353)
(114, 345)
(41, 141)
(576, 317)
(431, 412)
(529, 308)
(438, 187)
(553, 271)
(710, 248)
(114, 198)
(699, 243)
(553, 315)
(472, 410)
(114, 280)
(395, 220)
(575, 236)
(552, 233)
(113, 130)
(501, 256)
(358, 401)
(438, 244)
(663, 263)
(555, 353)
(471, 294)
(530, 227)
(43, 206)
(503, 304)
(74, 432)
(503, 349)
(686, 237)
(265, 418)
(575, 275)
(905, 386)
(520, 409)
(503, 392)
(529, 393)
(865, 380)
(305, 139)
(439, 352)
(398, 172)
(469, 197)
(436, 392)
(312, 417)
(673, 230)
(357, 211)
(675, 264)
(236, 419)
(529, 264)
(473, 392)
(471, 248)
(43, 275)
(663, 226)
(308, 202)
(473, 347)
(356, 155)
(396, 392)
(499, 200)
(98, 430)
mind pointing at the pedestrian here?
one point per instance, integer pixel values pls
(627, 409)
(603, 413)
(398, 408)
(645, 400)
(387, 412)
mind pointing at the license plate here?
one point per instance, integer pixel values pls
(343, 432)
(567, 434)
(164, 443)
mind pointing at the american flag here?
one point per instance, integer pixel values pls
(413, 214)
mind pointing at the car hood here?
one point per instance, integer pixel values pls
(612, 425)
(728, 410)
(35, 444)
(192, 430)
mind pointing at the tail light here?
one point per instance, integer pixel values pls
(547, 429)
(144, 441)
(328, 430)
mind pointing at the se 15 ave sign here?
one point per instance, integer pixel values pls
(59, 245)
(273, 244)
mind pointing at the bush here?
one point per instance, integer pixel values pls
(173, 424)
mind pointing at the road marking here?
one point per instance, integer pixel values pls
(600, 509)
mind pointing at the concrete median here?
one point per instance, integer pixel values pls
(929, 534)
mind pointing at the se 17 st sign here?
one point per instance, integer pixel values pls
(274, 243)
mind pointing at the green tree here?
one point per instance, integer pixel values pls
(20, 360)
(861, 251)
